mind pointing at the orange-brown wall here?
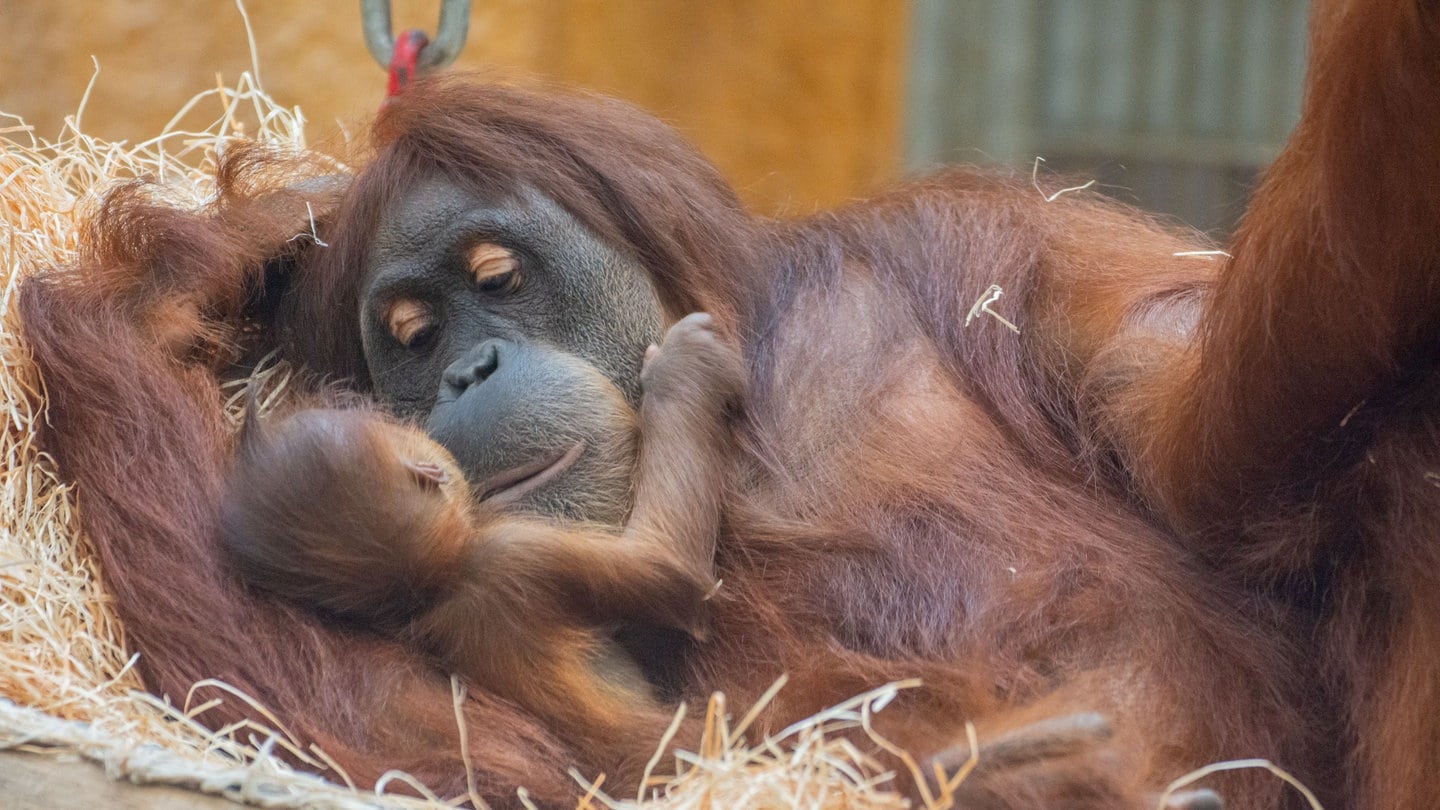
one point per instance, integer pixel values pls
(798, 101)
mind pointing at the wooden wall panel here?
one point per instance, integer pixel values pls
(799, 102)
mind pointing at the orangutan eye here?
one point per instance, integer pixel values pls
(494, 268)
(411, 323)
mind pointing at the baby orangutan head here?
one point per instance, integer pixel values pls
(347, 512)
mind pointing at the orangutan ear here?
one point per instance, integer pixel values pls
(428, 474)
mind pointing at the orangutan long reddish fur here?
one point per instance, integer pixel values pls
(1198, 503)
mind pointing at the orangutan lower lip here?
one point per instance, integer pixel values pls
(512, 484)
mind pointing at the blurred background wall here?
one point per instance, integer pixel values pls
(799, 102)
(1173, 104)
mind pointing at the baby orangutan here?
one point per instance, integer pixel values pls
(368, 520)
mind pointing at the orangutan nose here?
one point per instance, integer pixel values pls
(474, 367)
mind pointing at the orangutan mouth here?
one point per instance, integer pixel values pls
(508, 486)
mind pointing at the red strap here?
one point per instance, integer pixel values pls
(404, 60)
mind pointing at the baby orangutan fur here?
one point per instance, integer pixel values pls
(365, 519)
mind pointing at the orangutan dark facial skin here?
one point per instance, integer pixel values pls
(496, 323)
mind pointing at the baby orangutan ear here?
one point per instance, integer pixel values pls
(428, 474)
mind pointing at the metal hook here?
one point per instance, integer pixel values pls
(449, 36)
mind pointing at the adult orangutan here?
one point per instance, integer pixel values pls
(1195, 498)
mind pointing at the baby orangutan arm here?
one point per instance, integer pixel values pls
(691, 383)
(662, 566)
